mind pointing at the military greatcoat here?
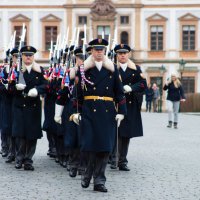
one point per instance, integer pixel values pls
(27, 110)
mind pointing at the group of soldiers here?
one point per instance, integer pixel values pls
(91, 109)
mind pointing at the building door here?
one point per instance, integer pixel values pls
(103, 30)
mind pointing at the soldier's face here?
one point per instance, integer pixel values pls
(14, 58)
(27, 59)
(98, 54)
(122, 57)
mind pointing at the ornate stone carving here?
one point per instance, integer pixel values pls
(103, 10)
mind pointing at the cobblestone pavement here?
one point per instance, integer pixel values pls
(164, 166)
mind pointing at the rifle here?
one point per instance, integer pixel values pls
(114, 43)
(21, 44)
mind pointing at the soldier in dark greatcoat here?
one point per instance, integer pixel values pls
(12, 80)
(99, 87)
(26, 125)
(133, 84)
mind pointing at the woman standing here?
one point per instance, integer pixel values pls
(174, 96)
(156, 97)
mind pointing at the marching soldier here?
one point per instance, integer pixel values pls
(133, 84)
(99, 87)
(12, 79)
(26, 125)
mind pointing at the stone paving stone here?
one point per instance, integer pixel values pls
(164, 166)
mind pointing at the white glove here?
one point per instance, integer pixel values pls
(127, 89)
(58, 113)
(75, 118)
(119, 118)
(6, 86)
(33, 92)
(20, 86)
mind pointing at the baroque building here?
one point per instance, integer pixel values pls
(164, 34)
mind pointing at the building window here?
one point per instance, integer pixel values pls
(124, 19)
(50, 35)
(103, 30)
(188, 84)
(188, 33)
(82, 20)
(81, 36)
(18, 30)
(124, 37)
(156, 38)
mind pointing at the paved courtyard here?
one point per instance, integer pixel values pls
(164, 165)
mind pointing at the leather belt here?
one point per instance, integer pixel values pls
(98, 98)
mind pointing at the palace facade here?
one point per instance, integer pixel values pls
(164, 34)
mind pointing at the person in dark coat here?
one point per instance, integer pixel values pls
(175, 95)
(49, 124)
(133, 83)
(26, 125)
(12, 80)
(5, 110)
(99, 88)
(149, 96)
(72, 134)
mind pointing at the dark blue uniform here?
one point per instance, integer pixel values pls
(131, 126)
(98, 124)
(26, 125)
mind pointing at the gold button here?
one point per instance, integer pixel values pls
(130, 102)
(94, 88)
(95, 110)
(106, 88)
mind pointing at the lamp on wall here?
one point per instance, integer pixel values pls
(182, 64)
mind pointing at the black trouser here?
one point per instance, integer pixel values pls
(123, 144)
(96, 167)
(25, 149)
(74, 157)
(4, 141)
(11, 152)
(148, 106)
(50, 138)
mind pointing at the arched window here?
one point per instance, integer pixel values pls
(124, 37)
(81, 36)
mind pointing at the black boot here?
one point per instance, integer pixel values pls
(170, 124)
(175, 125)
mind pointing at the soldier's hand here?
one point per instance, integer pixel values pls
(6, 86)
(127, 89)
(75, 118)
(58, 113)
(58, 119)
(33, 92)
(20, 86)
(119, 118)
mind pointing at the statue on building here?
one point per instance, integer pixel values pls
(103, 10)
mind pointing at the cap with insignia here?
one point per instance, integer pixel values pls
(66, 49)
(71, 48)
(88, 49)
(78, 51)
(98, 44)
(14, 51)
(122, 48)
(28, 50)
